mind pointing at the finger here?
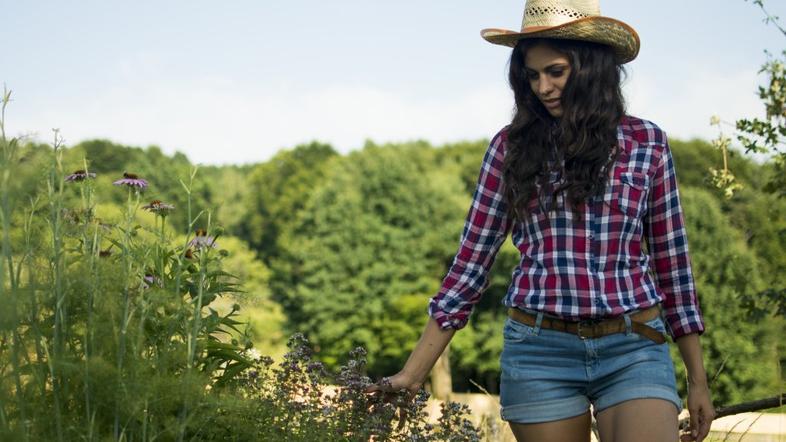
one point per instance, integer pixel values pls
(706, 424)
(694, 423)
(402, 418)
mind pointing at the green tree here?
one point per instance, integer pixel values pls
(740, 352)
(278, 191)
(378, 231)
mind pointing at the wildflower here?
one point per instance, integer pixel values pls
(71, 216)
(149, 280)
(253, 354)
(158, 207)
(202, 240)
(131, 180)
(80, 175)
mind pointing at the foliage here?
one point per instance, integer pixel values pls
(366, 238)
(108, 328)
(107, 325)
(295, 403)
(740, 354)
(111, 160)
(279, 191)
(264, 316)
(762, 135)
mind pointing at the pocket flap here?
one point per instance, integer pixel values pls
(638, 180)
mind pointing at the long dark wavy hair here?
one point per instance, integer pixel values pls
(585, 135)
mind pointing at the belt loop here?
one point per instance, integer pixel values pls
(538, 321)
(628, 329)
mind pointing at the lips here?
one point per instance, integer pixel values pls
(551, 103)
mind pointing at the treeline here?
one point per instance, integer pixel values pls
(348, 248)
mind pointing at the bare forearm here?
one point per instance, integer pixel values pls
(425, 354)
(690, 350)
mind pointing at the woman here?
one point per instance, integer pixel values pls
(589, 195)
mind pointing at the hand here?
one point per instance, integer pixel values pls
(701, 413)
(392, 388)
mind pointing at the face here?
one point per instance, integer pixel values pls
(547, 72)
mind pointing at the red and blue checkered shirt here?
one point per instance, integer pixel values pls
(591, 269)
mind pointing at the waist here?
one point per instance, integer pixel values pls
(634, 321)
(583, 303)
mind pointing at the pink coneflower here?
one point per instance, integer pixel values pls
(202, 240)
(80, 175)
(131, 180)
(158, 207)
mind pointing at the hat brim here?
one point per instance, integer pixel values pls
(604, 30)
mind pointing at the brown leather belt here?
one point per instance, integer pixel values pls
(596, 328)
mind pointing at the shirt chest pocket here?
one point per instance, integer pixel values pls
(629, 193)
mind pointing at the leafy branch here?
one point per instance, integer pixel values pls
(761, 135)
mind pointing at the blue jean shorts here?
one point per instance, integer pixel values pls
(548, 375)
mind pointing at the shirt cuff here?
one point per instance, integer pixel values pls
(447, 321)
(684, 323)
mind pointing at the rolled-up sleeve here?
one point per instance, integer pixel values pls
(485, 230)
(667, 242)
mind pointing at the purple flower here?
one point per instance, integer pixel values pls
(80, 175)
(131, 180)
(201, 240)
(158, 207)
(149, 280)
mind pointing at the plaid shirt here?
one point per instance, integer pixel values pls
(582, 270)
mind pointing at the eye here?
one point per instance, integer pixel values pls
(532, 75)
(556, 73)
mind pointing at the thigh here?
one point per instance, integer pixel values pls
(575, 429)
(642, 420)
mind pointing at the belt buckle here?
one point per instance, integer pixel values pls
(587, 323)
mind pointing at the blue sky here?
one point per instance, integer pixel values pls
(234, 82)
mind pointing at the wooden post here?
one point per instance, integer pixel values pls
(441, 381)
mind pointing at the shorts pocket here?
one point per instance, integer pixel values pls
(657, 324)
(630, 193)
(516, 332)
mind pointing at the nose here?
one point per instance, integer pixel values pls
(545, 86)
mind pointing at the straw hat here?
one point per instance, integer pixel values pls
(570, 20)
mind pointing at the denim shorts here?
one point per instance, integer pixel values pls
(549, 375)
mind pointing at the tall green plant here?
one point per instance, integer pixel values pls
(106, 324)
